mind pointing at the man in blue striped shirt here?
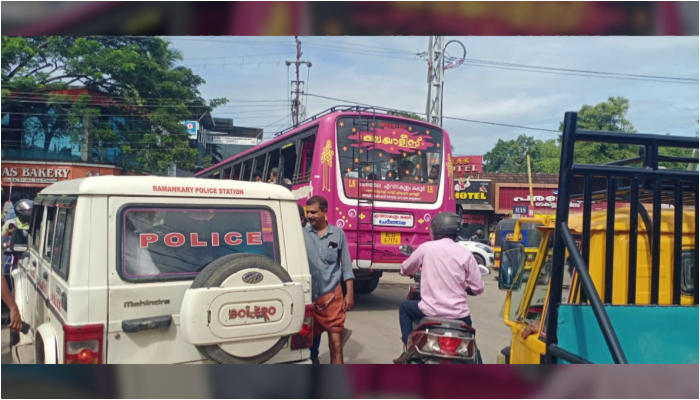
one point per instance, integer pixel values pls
(329, 263)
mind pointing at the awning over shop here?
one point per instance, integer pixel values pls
(476, 207)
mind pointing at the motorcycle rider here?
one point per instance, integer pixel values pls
(9, 206)
(5, 204)
(23, 214)
(22, 211)
(449, 272)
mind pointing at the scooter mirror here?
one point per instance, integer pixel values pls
(406, 249)
(484, 270)
(19, 240)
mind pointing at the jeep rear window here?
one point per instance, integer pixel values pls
(177, 243)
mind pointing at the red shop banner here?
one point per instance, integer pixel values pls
(545, 199)
(474, 219)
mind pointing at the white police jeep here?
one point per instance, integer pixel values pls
(121, 269)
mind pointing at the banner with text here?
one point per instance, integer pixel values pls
(41, 175)
(544, 200)
(391, 191)
(462, 166)
(469, 191)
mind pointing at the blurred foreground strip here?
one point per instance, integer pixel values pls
(351, 381)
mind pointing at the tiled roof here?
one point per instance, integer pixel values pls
(498, 177)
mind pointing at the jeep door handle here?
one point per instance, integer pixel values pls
(142, 324)
(34, 264)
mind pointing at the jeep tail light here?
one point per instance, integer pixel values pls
(305, 338)
(83, 344)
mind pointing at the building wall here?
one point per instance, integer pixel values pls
(38, 150)
(35, 131)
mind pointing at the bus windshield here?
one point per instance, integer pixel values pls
(402, 161)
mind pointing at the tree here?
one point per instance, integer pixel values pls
(545, 157)
(610, 116)
(511, 156)
(148, 96)
(675, 152)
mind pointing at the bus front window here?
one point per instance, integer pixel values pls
(401, 162)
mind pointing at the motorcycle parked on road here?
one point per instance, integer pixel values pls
(437, 340)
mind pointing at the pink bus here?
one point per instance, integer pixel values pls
(384, 177)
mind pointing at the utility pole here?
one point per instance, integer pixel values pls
(436, 79)
(439, 61)
(296, 105)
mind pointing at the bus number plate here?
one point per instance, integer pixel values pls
(391, 238)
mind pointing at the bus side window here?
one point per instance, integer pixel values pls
(274, 162)
(289, 161)
(307, 157)
(247, 170)
(236, 172)
(260, 166)
(227, 173)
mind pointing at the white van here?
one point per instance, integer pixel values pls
(159, 270)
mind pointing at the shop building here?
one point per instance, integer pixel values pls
(38, 151)
(511, 190)
(474, 205)
(221, 139)
(38, 148)
(485, 198)
(474, 201)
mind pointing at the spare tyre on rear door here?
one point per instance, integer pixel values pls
(242, 309)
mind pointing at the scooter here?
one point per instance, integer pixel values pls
(437, 340)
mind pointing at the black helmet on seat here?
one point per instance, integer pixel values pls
(445, 224)
(23, 210)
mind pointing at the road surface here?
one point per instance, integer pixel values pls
(375, 324)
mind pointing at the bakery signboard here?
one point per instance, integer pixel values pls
(40, 175)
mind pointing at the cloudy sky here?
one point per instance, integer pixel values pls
(384, 71)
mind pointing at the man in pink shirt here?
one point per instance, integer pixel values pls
(449, 271)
